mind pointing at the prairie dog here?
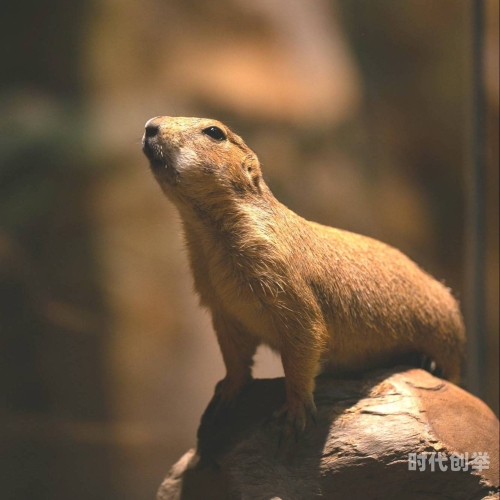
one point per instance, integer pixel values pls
(321, 297)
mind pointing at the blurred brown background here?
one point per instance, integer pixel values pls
(360, 112)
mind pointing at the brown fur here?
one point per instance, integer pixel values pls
(317, 295)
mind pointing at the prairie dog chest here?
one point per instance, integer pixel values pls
(225, 284)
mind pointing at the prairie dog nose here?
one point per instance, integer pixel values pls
(151, 130)
(152, 126)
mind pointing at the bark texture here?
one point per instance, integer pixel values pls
(358, 448)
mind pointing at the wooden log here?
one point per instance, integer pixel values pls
(358, 449)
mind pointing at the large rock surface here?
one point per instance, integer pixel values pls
(358, 448)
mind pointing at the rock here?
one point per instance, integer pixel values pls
(358, 449)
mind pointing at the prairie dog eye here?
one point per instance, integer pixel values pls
(215, 133)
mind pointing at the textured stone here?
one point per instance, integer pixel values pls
(358, 448)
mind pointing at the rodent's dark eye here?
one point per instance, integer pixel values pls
(215, 133)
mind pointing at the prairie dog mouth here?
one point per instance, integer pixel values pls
(158, 158)
(154, 152)
(152, 146)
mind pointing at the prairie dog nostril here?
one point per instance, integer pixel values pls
(152, 130)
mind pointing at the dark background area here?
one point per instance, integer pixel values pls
(362, 115)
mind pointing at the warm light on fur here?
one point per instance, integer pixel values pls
(319, 296)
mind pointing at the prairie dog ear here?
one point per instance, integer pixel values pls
(251, 168)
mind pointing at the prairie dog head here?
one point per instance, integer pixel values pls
(200, 159)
